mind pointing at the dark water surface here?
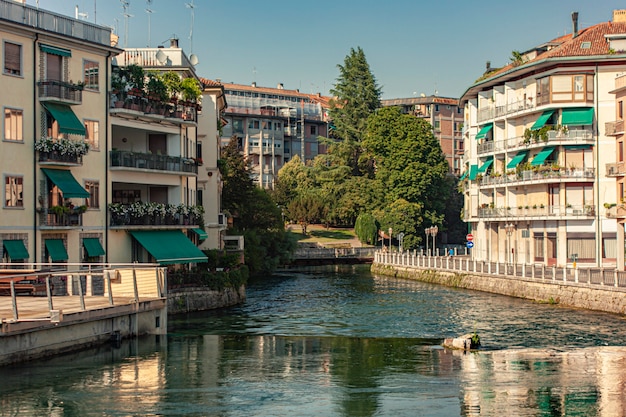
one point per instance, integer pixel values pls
(338, 341)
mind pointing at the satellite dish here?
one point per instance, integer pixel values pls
(193, 59)
(161, 57)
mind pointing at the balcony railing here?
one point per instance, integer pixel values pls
(538, 212)
(128, 103)
(618, 211)
(60, 91)
(615, 169)
(614, 128)
(55, 23)
(53, 218)
(554, 137)
(55, 157)
(545, 173)
(620, 81)
(149, 161)
(491, 112)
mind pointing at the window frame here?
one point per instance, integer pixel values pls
(19, 138)
(89, 79)
(93, 202)
(94, 143)
(17, 204)
(8, 71)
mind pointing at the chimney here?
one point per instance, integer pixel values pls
(619, 15)
(574, 24)
(253, 83)
(280, 86)
(174, 43)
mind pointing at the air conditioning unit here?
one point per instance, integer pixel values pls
(221, 219)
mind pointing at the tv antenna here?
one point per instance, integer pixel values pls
(125, 6)
(149, 12)
(191, 6)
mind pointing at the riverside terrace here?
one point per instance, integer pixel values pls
(589, 287)
(77, 306)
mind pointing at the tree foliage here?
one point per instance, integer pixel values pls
(366, 229)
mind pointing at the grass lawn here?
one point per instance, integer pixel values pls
(319, 234)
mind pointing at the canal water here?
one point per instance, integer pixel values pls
(337, 341)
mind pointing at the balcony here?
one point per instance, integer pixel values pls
(487, 113)
(570, 137)
(61, 217)
(148, 161)
(57, 91)
(537, 212)
(616, 212)
(155, 214)
(615, 128)
(133, 105)
(542, 175)
(57, 158)
(615, 169)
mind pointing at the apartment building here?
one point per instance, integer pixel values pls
(54, 85)
(272, 125)
(155, 156)
(446, 117)
(543, 163)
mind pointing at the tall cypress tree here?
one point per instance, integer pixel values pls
(356, 97)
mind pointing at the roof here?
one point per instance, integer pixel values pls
(420, 100)
(210, 83)
(314, 98)
(563, 47)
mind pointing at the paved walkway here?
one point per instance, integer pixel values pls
(36, 308)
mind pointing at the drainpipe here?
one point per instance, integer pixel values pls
(597, 176)
(35, 100)
(107, 100)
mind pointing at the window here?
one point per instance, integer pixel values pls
(620, 110)
(436, 107)
(458, 110)
(13, 125)
(12, 58)
(92, 72)
(253, 124)
(267, 125)
(437, 125)
(92, 134)
(93, 202)
(13, 191)
(313, 130)
(278, 126)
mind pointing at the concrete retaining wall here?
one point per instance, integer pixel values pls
(185, 300)
(606, 299)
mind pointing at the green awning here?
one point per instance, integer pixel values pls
(576, 147)
(55, 50)
(202, 235)
(68, 122)
(541, 157)
(169, 246)
(93, 246)
(484, 167)
(517, 159)
(66, 182)
(463, 176)
(579, 116)
(473, 172)
(541, 121)
(16, 249)
(484, 130)
(56, 250)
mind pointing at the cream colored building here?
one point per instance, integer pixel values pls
(538, 154)
(54, 85)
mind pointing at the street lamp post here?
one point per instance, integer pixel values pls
(434, 231)
(431, 231)
(400, 239)
(390, 232)
(509, 228)
(427, 230)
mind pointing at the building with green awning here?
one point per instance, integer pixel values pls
(484, 130)
(541, 157)
(169, 246)
(577, 116)
(66, 182)
(517, 159)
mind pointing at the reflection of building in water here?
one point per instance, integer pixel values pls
(579, 382)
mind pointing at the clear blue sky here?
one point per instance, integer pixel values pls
(412, 46)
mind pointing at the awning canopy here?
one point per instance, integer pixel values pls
(55, 50)
(541, 121)
(576, 147)
(484, 130)
(56, 250)
(517, 159)
(202, 235)
(66, 182)
(463, 176)
(68, 122)
(541, 157)
(169, 246)
(93, 246)
(15, 249)
(484, 167)
(578, 116)
(473, 172)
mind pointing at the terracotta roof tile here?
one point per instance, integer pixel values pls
(210, 83)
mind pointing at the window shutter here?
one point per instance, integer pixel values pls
(12, 54)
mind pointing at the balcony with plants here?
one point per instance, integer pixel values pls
(534, 174)
(547, 135)
(156, 162)
(142, 214)
(61, 151)
(537, 211)
(59, 91)
(66, 215)
(160, 95)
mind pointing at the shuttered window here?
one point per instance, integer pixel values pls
(12, 58)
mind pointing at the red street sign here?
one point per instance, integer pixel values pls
(469, 237)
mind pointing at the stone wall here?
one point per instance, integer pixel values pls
(606, 299)
(185, 300)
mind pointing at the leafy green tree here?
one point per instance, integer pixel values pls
(357, 96)
(403, 217)
(366, 229)
(306, 209)
(237, 185)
